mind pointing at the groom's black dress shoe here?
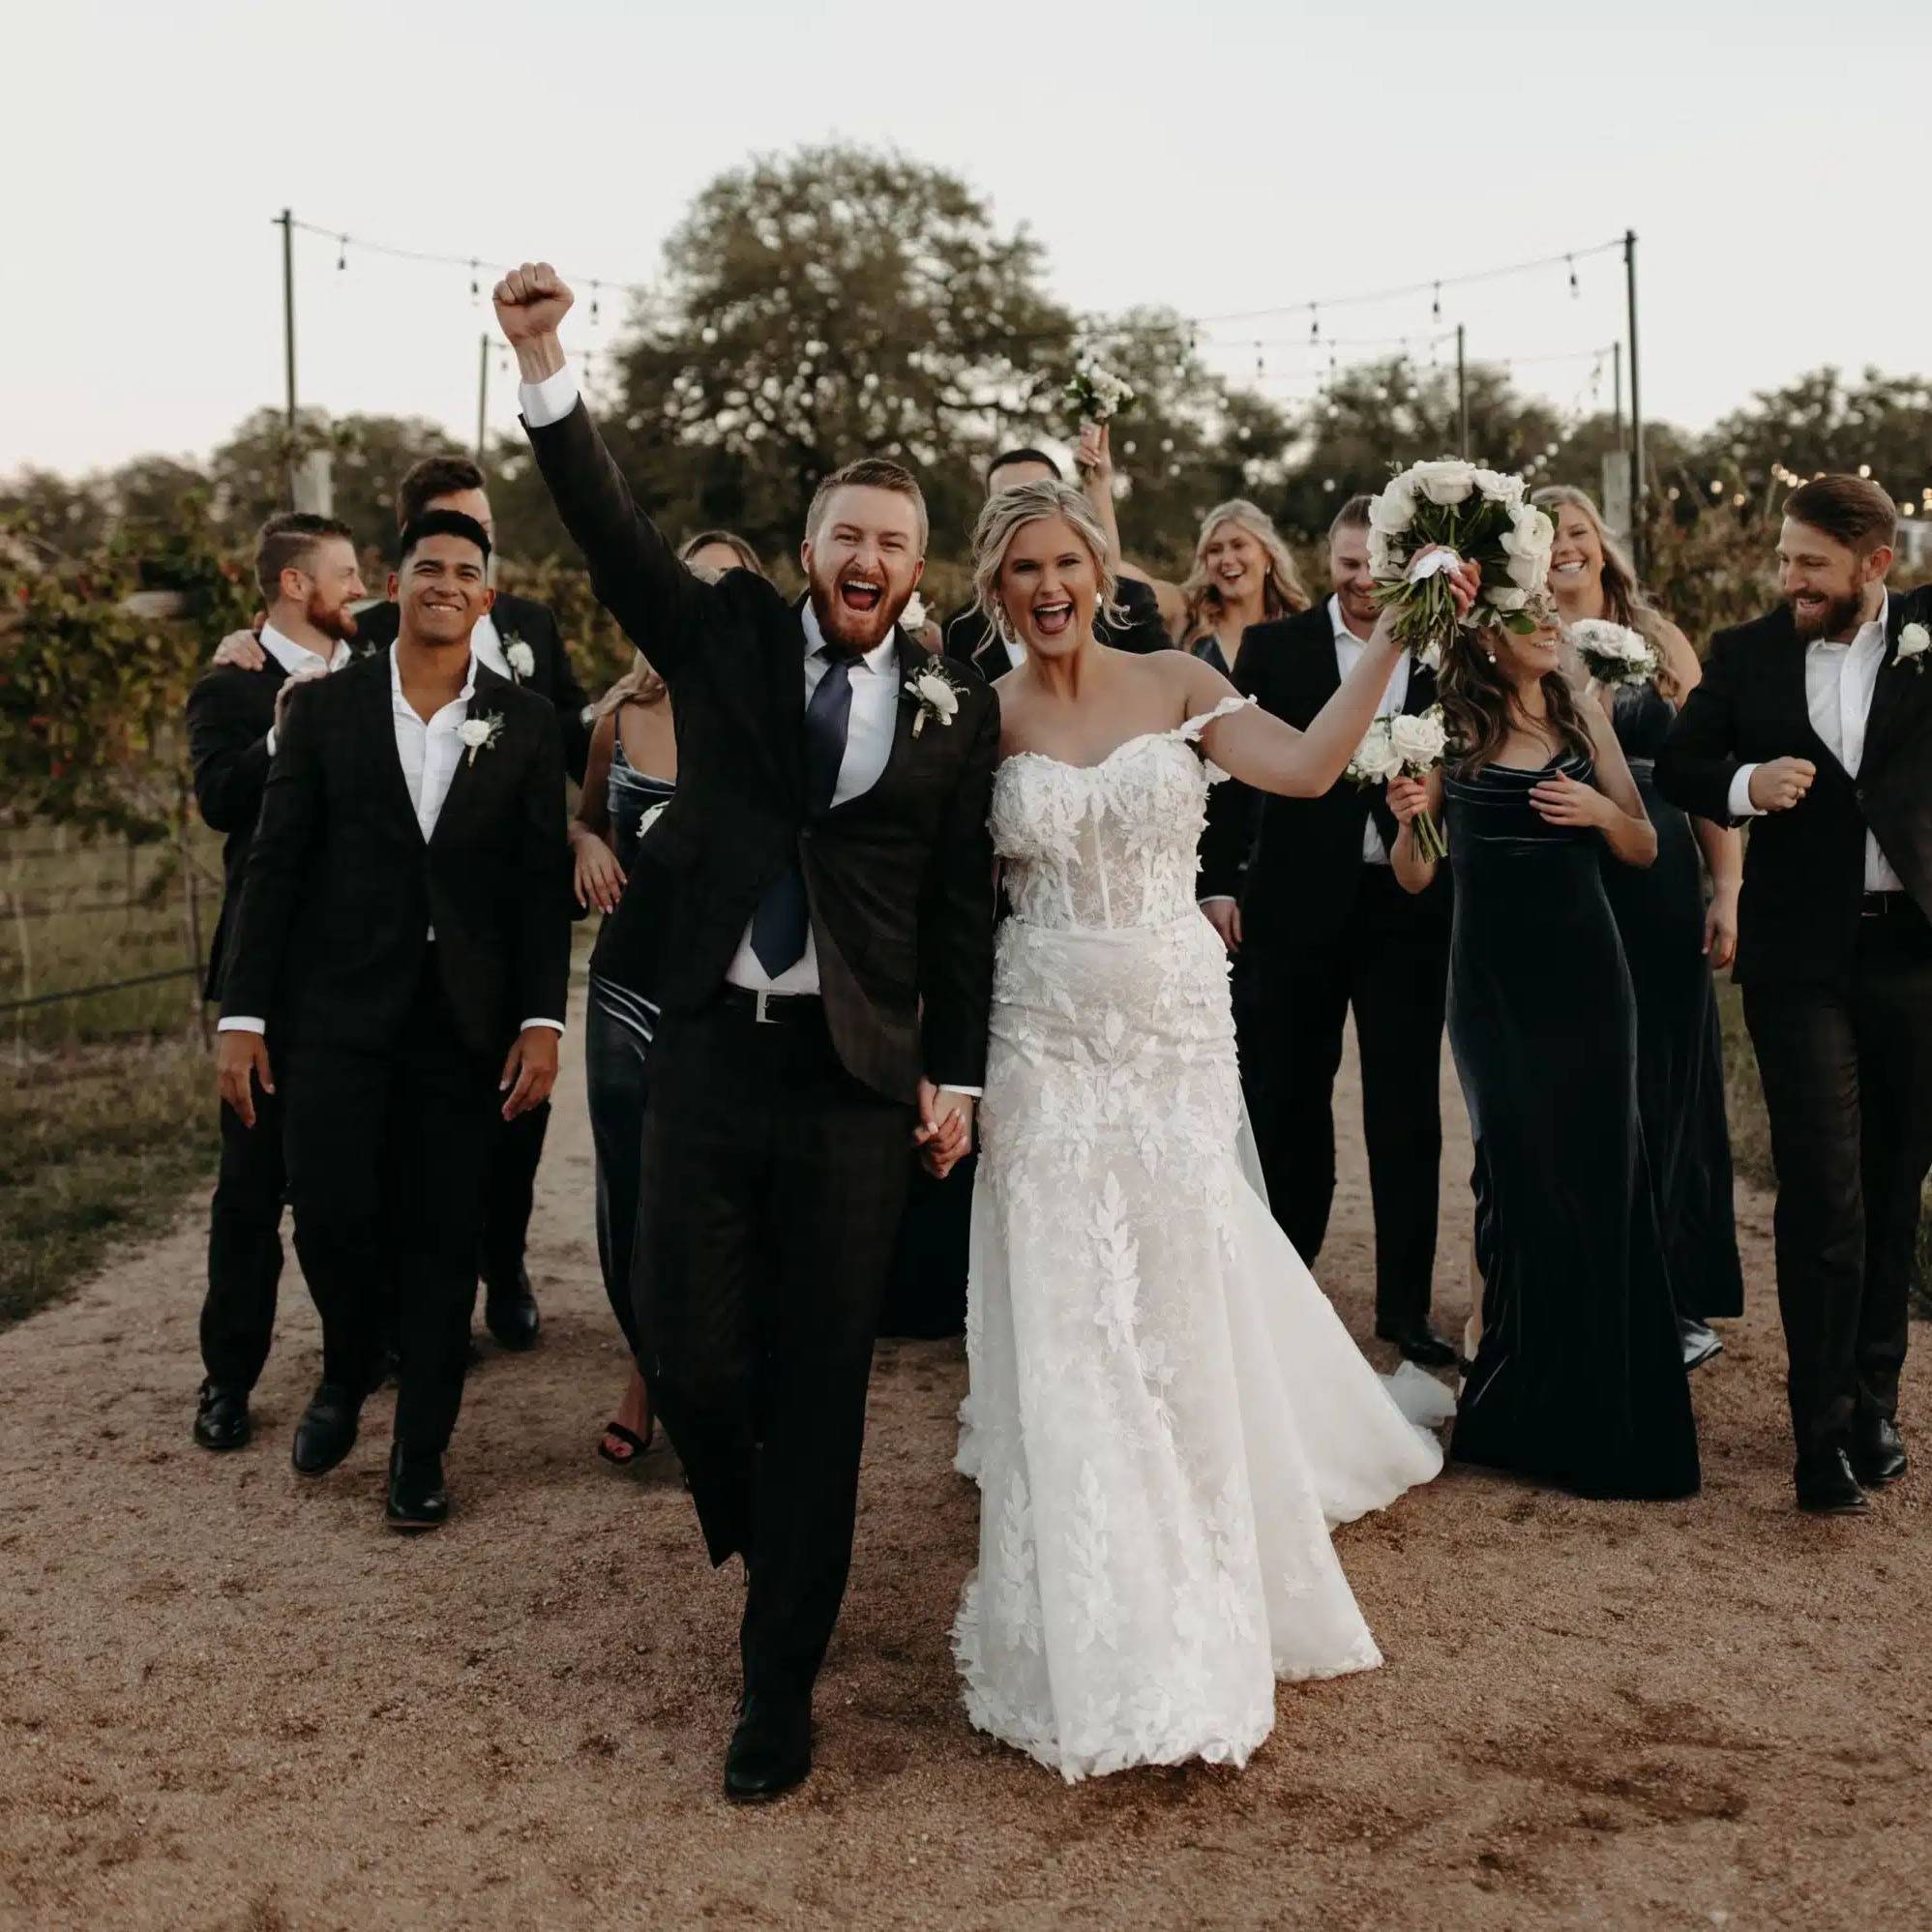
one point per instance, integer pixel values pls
(1421, 1345)
(417, 1498)
(1826, 1486)
(1877, 1452)
(510, 1311)
(221, 1417)
(327, 1430)
(771, 1749)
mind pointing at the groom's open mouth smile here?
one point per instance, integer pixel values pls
(1051, 619)
(860, 595)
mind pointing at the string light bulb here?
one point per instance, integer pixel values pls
(341, 252)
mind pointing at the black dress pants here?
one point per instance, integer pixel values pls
(387, 1153)
(244, 1247)
(775, 1181)
(509, 1192)
(1290, 1004)
(1847, 1071)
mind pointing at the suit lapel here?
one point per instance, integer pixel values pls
(908, 660)
(485, 701)
(785, 700)
(378, 710)
(1898, 695)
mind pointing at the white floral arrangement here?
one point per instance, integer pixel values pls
(937, 695)
(1613, 654)
(1410, 745)
(480, 734)
(519, 657)
(1913, 643)
(1457, 510)
(915, 617)
(1098, 395)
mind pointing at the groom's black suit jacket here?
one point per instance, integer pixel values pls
(1797, 914)
(1295, 864)
(516, 619)
(898, 879)
(229, 714)
(342, 888)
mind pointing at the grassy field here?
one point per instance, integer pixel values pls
(106, 1111)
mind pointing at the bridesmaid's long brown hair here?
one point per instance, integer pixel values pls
(1478, 702)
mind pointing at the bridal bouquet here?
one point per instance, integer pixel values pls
(1407, 746)
(1611, 653)
(1475, 515)
(1098, 395)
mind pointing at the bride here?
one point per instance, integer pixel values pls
(1166, 1417)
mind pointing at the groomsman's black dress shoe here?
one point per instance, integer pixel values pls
(1421, 1345)
(1698, 1340)
(221, 1417)
(1826, 1486)
(417, 1498)
(771, 1749)
(510, 1311)
(327, 1430)
(1877, 1452)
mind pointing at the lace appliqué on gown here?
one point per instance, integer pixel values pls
(1166, 1415)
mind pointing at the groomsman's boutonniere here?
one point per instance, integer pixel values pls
(480, 733)
(1913, 643)
(519, 657)
(937, 695)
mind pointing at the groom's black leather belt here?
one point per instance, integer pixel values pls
(773, 1009)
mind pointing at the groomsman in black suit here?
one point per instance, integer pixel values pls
(305, 566)
(402, 951)
(1303, 892)
(826, 982)
(1815, 723)
(521, 639)
(971, 639)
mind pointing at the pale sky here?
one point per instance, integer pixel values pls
(1215, 156)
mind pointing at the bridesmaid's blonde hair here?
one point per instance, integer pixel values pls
(1623, 599)
(1282, 592)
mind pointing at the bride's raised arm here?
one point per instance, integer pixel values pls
(1260, 750)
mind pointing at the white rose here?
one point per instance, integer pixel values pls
(1527, 543)
(1418, 740)
(1450, 481)
(1497, 487)
(914, 616)
(519, 657)
(1392, 513)
(935, 691)
(474, 732)
(1375, 760)
(1499, 598)
(1914, 642)
(1385, 559)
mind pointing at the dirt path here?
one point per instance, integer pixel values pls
(231, 1699)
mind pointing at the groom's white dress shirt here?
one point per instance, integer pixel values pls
(428, 752)
(1839, 680)
(869, 731)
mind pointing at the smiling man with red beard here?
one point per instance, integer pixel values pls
(828, 966)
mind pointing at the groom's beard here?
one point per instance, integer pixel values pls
(1835, 618)
(858, 630)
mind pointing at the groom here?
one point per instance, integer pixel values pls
(827, 979)
(1816, 722)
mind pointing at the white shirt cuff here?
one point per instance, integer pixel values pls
(555, 1026)
(270, 741)
(240, 1024)
(1740, 794)
(549, 401)
(965, 1092)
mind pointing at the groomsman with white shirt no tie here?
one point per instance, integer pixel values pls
(306, 567)
(402, 961)
(519, 640)
(1815, 723)
(1301, 891)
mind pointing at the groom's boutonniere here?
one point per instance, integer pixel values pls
(935, 693)
(480, 733)
(519, 657)
(1913, 643)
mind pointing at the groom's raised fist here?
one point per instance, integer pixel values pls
(531, 301)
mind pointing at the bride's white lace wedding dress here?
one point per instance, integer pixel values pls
(1166, 1415)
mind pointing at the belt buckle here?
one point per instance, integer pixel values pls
(762, 1013)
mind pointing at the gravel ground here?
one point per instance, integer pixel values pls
(231, 1698)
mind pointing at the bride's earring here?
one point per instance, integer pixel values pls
(1490, 655)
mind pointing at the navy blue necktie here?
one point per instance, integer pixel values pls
(783, 917)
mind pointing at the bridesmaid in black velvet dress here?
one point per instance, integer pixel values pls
(1672, 938)
(1578, 1379)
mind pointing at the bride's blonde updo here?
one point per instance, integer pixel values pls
(1009, 513)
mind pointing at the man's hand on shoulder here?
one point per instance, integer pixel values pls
(242, 648)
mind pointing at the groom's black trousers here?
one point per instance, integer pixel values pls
(1847, 1071)
(387, 1152)
(772, 1183)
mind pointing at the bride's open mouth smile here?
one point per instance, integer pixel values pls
(1051, 619)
